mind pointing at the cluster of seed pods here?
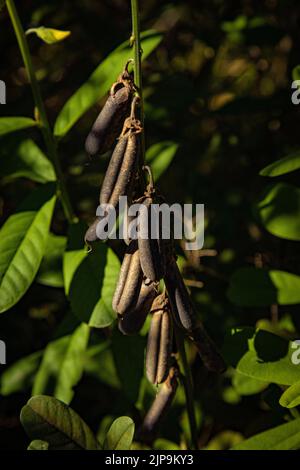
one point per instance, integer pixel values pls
(147, 259)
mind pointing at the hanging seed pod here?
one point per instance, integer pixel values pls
(123, 165)
(181, 305)
(159, 344)
(132, 322)
(130, 281)
(91, 235)
(159, 407)
(108, 124)
(184, 315)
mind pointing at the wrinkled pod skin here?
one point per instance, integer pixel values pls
(185, 317)
(152, 251)
(130, 281)
(132, 322)
(108, 124)
(159, 344)
(159, 407)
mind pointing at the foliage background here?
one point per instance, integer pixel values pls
(219, 86)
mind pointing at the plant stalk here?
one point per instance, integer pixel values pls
(188, 386)
(42, 116)
(137, 66)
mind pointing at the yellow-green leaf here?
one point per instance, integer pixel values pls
(291, 397)
(49, 35)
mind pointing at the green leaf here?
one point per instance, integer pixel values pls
(38, 445)
(50, 272)
(74, 254)
(23, 243)
(19, 376)
(279, 211)
(93, 285)
(128, 350)
(261, 355)
(160, 156)
(100, 82)
(253, 287)
(245, 385)
(99, 363)
(164, 444)
(25, 159)
(49, 35)
(12, 124)
(283, 166)
(283, 437)
(120, 434)
(291, 397)
(296, 73)
(49, 419)
(72, 365)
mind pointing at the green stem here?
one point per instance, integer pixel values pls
(43, 120)
(188, 386)
(137, 67)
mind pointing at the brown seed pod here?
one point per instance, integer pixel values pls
(108, 124)
(152, 250)
(181, 305)
(123, 164)
(159, 345)
(185, 316)
(130, 281)
(132, 322)
(159, 407)
(91, 235)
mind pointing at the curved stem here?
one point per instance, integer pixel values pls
(42, 116)
(188, 386)
(137, 66)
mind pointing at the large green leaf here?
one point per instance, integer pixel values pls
(75, 252)
(100, 82)
(159, 156)
(23, 243)
(120, 434)
(71, 367)
(128, 350)
(93, 285)
(48, 419)
(291, 397)
(245, 385)
(25, 159)
(50, 272)
(253, 287)
(283, 437)
(282, 166)
(19, 376)
(261, 355)
(279, 211)
(12, 124)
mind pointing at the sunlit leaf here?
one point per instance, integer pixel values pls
(38, 445)
(23, 243)
(93, 285)
(261, 355)
(283, 166)
(19, 376)
(120, 434)
(160, 156)
(12, 124)
(291, 397)
(100, 82)
(283, 437)
(25, 159)
(279, 211)
(49, 419)
(49, 35)
(74, 254)
(245, 385)
(253, 287)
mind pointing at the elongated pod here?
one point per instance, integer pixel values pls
(108, 124)
(132, 322)
(159, 345)
(181, 305)
(185, 316)
(130, 281)
(151, 245)
(91, 235)
(159, 407)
